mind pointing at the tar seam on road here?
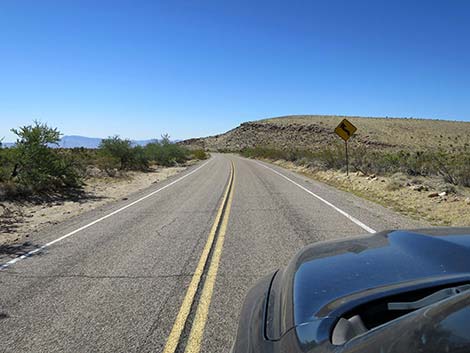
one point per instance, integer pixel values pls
(32, 252)
(218, 228)
(197, 330)
(347, 215)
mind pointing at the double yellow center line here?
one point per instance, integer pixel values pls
(219, 228)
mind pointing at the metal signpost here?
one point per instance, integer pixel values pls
(345, 130)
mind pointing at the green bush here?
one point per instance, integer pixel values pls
(107, 163)
(37, 167)
(453, 167)
(7, 163)
(115, 152)
(199, 154)
(166, 153)
(139, 159)
(79, 157)
(34, 165)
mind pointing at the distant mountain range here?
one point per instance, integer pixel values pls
(73, 141)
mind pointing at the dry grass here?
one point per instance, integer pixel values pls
(400, 132)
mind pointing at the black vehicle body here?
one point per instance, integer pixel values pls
(301, 308)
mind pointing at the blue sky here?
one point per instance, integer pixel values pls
(194, 68)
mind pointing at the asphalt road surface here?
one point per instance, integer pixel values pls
(167, 269)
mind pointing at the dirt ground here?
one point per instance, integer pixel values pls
(19, 220)
(416, 197)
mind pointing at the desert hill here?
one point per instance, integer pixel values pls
(315, 131)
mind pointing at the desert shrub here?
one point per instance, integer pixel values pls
(37, 167)
(417, 163)
(324, 159)
(81, 158)
(107, 163)
(166, 153)
(117, 153)
(453, 167)
(8, 190)
(7, 163)
(330, 158)
(448, 188)
(139, 159)
(199, 154)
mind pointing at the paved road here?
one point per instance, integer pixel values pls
(121, 283)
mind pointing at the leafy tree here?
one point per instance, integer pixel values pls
(139, 159)
(118, 149)
(121, 153)
(3, 165)
(165, 152)
(38, 167)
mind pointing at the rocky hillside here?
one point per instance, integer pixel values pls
(313, 131)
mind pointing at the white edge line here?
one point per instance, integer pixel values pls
(32, 252)
(345, 214)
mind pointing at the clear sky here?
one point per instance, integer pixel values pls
(194, 68)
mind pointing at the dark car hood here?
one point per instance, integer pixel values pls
(326, 279)
(442, 327)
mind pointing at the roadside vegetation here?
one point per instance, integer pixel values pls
(431, 185)
(37, 167)
(452, 167)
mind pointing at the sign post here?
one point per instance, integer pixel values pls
(345, 130)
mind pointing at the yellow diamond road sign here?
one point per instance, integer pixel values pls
(345, 130)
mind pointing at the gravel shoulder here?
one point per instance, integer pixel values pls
(20, 220)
